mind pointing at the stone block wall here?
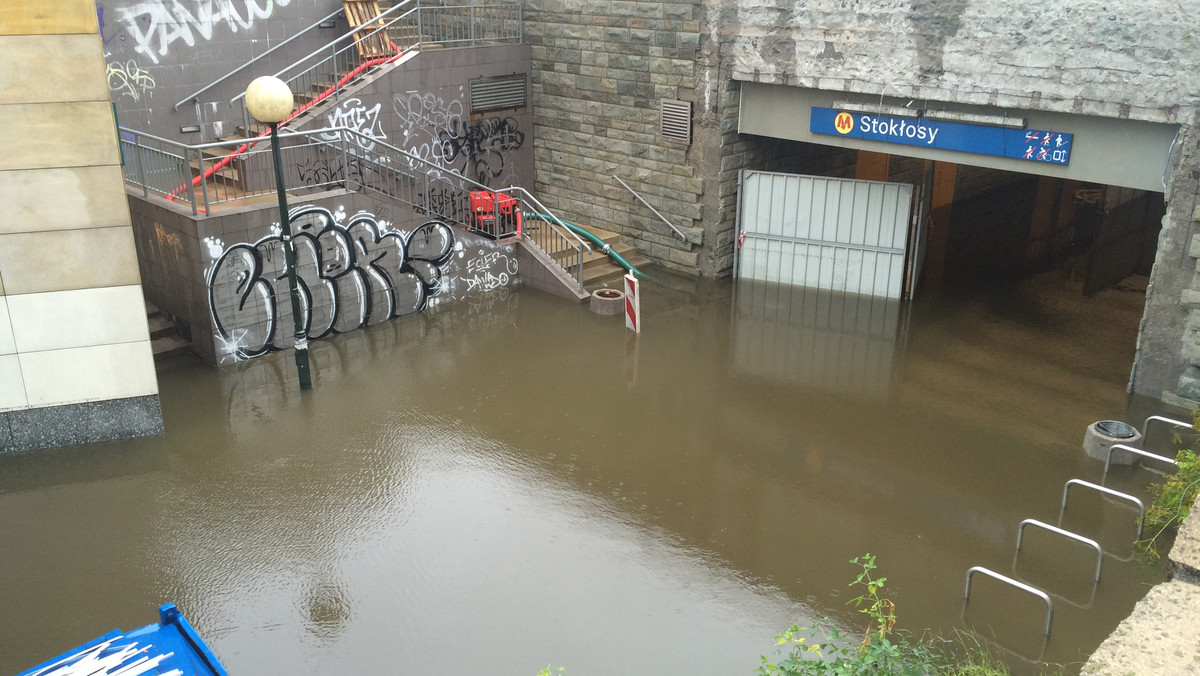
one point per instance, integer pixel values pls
(75, 360)
(1091, 57)
(600, 72)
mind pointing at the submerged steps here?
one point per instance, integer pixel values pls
(598, 266)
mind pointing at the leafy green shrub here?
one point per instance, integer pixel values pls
(823, 649)
(1172, 503)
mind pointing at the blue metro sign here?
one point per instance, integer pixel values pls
(1019, 144)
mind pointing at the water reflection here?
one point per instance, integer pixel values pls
(838, 342)
(489, 487)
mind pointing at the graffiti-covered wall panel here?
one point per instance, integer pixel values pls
(424, 107)
(359, 262)
(157, 52)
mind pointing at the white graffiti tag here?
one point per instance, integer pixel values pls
(129, 79)
(352, 113)
(155, 25)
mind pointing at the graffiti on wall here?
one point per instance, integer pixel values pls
(484, 266)
(129, 79)
(156, 25)
(481, 147)
(351, 272)
(444, 202)
(355, 114)
(437, 131)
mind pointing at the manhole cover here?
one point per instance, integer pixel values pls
(1116, 429)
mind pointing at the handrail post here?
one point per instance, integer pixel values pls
(345, 162)
(420, 25)
(203, 183)
(187, 181)
(141, 169)
(337, 77)
(471, 21)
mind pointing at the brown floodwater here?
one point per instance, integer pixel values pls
(511, 482)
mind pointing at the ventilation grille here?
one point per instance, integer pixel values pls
(497, 94)
(675, 120)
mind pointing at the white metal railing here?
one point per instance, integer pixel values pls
(327, 71)
(651, 208)
(431, 188)
(207, 174)
(195, 96)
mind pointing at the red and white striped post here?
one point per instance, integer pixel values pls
(633, 304)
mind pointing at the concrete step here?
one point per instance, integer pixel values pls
(601, 274)
(169, 346)
(161, 325)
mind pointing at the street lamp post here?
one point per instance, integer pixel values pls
(269, 100)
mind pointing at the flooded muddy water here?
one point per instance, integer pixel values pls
(511, 482)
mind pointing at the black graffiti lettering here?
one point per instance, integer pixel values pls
(348, 277)
(315, 172)
(445, 203)
(481, 145)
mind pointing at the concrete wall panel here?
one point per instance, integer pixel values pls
(89, 374)
(66, 319)
(41, 69)
(38, 17)
(58, 135)
(12, 385)
(8, 344)
(82, 197)
(72, 259)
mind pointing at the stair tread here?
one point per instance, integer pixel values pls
(168, 346)
(160, 326)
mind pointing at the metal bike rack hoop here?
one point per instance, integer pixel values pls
(1108, 491)
(1135, 451)
(1065, 533)
(1019, 585)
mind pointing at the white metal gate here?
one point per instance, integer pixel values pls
(826, 233)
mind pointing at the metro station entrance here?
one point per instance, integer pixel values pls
(990, 196)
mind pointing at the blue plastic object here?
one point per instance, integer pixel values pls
(169, 648)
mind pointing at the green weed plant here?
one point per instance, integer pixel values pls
(824, 650)
(1172, 503)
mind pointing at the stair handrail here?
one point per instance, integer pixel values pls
(543, 210)
(643, 201)
(322, 137)
(316, 24)
(556, 224)
(325, 48)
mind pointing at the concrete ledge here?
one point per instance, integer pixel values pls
(28, 429)
(1161, 636)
